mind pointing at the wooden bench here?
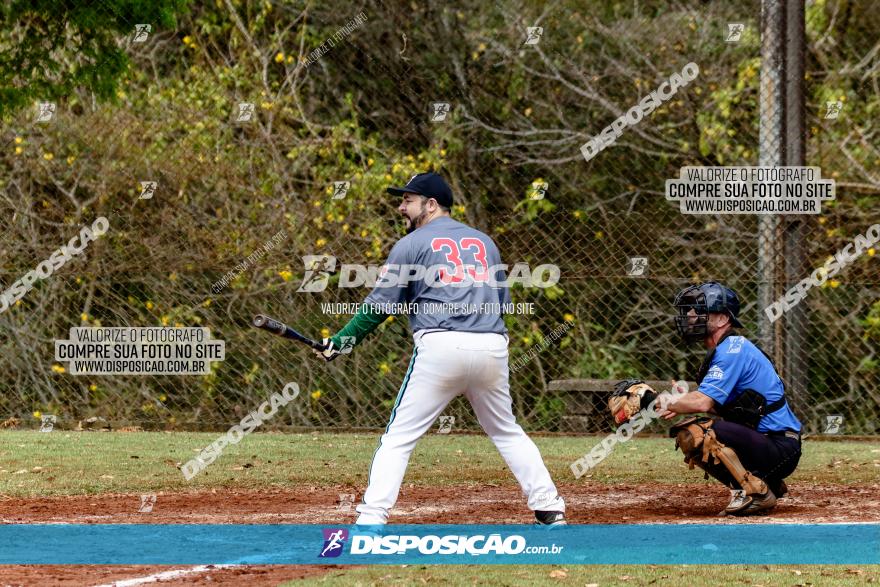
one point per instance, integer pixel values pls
(586, 402)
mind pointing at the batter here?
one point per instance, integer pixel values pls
(456, 352)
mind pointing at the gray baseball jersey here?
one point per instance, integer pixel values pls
(444, 275)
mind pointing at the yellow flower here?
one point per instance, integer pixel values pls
(48, 156)
(18, 150)
(370, 161)
(279, 57)
(568, 317)
(527, 339)
(58, 369)
(149, 305)
(187, 40)
(834, 283)
(577, 213)
(320, 242)
(363, 233)
(442, 152)
(285, 275)
(18, 140)
(178, 324)
(390, 319)
(84, 317)
(131, 299)
(823, 220)
(384, 368)
(70, 159)
(206, 303)
(316, 394)
(325, 333)
(599, 234)
(345, 228)
(527, 112)
(317, 203)
(871, 252)
(388, 177)
(266, 105)
(162, 398)
(38, 414)
(93, 387)
(165, 320)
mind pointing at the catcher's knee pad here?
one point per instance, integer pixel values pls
(689, 436)
(702, 448)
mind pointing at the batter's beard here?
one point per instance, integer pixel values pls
(414, 223)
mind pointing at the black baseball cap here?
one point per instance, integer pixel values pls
(427, 184)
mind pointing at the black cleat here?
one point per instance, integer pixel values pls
(550, 518)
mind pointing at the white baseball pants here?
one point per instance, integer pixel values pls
(445, 364)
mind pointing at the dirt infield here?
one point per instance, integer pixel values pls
(588, 503)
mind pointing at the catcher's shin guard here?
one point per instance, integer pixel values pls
(701, 448)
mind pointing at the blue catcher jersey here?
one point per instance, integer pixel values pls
(738, 365)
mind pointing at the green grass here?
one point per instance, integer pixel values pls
(69, 463)
(600, 575)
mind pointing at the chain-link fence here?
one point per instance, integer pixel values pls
(242, 193)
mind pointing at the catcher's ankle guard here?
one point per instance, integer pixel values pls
(696, 439)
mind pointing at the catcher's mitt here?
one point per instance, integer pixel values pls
(629, 397)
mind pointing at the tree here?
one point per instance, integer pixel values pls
(49, 48)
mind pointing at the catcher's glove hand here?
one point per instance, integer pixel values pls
(629, 397)
(330, 351)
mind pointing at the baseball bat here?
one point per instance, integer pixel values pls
(285, 331)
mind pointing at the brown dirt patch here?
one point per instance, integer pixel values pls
(588, 503)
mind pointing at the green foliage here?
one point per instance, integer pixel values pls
(50, 49)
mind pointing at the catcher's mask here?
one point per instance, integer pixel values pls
(703, 299)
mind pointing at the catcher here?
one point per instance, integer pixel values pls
(755, 443)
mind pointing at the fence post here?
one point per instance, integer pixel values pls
(794, 365)
(771, 154)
